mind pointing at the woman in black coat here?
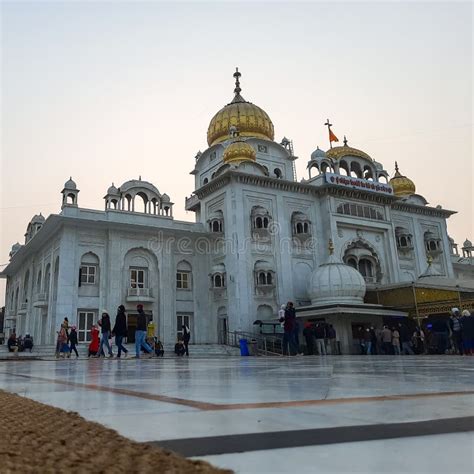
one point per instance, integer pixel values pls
(120, 330)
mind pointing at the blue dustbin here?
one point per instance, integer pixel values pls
(244, 348)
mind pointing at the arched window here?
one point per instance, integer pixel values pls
(262, 278)
(352, 262)
(269, 278)
(278, 172)
(218, 276)
(215, 226)
(89, 269)
(265, 222)
(259, 223)
(366, 268)
(218, 281)
(205, 181)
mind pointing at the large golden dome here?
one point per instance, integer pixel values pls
(250, 119)
(239, 151)
(402, 186)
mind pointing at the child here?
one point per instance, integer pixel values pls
(179, 348)
(94, 344)
(159, 350)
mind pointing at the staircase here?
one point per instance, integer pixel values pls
(47, 351)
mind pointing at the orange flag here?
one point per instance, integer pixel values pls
(332, 137)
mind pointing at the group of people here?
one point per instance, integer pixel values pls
(454, 337)
(19, 344)
(395, 340)
(324, 335)
(102, 333)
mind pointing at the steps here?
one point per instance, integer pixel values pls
(195, 350)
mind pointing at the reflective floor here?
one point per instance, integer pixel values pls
(288, 407)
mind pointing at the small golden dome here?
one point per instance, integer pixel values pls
(239, 151)
(250, 119)
(402, 186)
(339, 152)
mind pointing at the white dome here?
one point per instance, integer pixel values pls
(467, 243)
(318, 153)
(113, 191)
(165, 198)
(37, 219)
(336, 282)
(70, 184)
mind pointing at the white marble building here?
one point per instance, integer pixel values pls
(258, 236)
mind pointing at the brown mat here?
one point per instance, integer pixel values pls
(40, 438)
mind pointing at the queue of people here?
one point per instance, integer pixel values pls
(102, 333)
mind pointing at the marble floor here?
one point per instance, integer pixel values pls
(306, 414)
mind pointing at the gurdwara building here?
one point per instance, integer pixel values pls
(260, 238)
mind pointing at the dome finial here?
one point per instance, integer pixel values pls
(237, 75)
(396, 167)
(331, 247)
(345, 141)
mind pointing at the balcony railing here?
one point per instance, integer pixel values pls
(191, 202)
(140, 294)
(40, 299)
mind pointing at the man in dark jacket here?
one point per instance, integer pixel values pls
(72, 339)
(289, 329)
(120, 330)
(308, 335)
(405, 339)
(140, 333)
(106, 329)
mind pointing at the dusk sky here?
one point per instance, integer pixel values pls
(105, 92)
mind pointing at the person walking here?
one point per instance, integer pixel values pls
(308, 335)
(467, 328)
(386, 340)
(289, 329)
(62, 342)
(373, 341)
(186, 338)
(456, 331)
(368, 342)
(106, 331)
(331, 335)
(120, 330)
(72, 338)
(140, 333)
(396, 341)
(405, 339)
(419, 340)
(319, 334)
(93, 348)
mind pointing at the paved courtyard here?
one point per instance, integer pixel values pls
(305, 414)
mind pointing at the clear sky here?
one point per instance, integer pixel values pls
(110, 91)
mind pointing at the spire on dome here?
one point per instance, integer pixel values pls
(237, 90)
(331, 247)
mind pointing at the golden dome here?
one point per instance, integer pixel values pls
(250, 119)
(339, 152)
(239, 151)
(402, 186)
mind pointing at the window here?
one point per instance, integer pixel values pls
(137, 278)
(262, 148)
(218, 281)
(366, 269)
(358, 210)
(88, 274)
(278, 172)
(183, 280)
(182, 320)
(86, 320)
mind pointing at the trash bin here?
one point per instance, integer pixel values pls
(244, 349)
(253, 347)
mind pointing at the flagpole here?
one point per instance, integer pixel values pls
(329, 125)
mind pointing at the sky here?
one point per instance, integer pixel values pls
(107, 91)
